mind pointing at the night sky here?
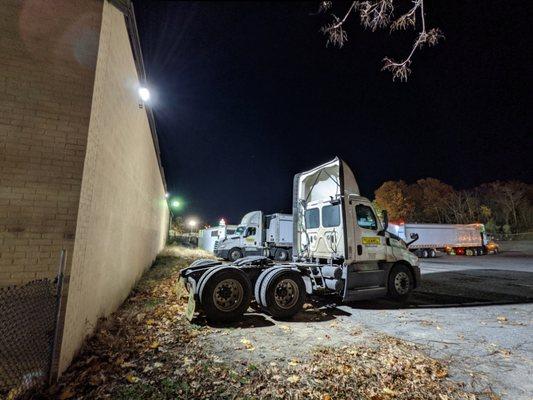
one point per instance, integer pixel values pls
(245, 95)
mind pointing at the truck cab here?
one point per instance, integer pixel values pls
(247, 239)
(336, 226)
(259, 234)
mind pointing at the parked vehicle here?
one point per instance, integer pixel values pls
(340, 247)
(258, 235)
(470, 239)
(209, 238)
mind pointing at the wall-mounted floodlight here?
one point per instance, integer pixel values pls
(144, 94)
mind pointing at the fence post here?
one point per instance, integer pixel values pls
(54, 359)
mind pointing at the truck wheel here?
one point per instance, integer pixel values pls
(401, 283)
(283, 293)
(259, 282)
(234, 254)
(425, 253)
(282, 255)
(226, 294)
(432, 253)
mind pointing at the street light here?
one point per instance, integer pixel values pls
(192, 224)
(175, 204)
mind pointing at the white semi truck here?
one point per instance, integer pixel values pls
(340, 247)
(259, 234)
(468, 239)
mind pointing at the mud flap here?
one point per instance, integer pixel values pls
(191, 304)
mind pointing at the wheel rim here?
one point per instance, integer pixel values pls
(286, 293)
(228, 295)
(401, 283)
(235, 255)
(282, 256)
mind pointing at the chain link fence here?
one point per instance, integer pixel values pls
(28, 320)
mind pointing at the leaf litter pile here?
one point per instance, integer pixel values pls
(148, 350)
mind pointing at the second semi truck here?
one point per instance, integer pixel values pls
(257, 235)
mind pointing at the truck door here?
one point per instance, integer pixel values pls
(368, 245)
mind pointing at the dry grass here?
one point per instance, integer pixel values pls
(185, 253)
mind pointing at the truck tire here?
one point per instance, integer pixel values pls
(226, 294)
(425, 253)
(432, 253)
(259, 282)
(400, 283)
(283, 293)
(281, 255)
(234, 254)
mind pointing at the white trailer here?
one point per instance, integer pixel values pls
(209, 238)
(257, 235)
(468, 239)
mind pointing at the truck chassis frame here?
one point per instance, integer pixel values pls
(224, 291)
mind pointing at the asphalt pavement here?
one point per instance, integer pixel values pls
(474, 312)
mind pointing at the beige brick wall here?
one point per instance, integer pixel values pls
(47, 58)
(122, 219)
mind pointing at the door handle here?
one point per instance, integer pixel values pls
(359, 249)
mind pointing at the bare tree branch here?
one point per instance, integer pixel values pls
(335, 32)
(377, 14)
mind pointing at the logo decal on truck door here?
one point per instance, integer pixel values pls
(371, 241)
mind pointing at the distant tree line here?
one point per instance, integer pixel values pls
(504, 207)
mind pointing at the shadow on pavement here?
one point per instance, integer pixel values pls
(464, 288)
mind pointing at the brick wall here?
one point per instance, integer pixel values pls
(48, 55)
(123, 216)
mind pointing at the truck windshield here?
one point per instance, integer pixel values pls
(331, 216)
(240, 230)
(312, 218)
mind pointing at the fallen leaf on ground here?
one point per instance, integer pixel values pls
(293, 378)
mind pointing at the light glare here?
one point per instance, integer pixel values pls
(144, 94)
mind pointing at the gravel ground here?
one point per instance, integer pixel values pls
(474, 313)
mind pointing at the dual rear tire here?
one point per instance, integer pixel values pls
(225, 292)
(280, 292)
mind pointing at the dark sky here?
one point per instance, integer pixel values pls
(247, 94)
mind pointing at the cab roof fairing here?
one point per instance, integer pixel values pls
(326, 182)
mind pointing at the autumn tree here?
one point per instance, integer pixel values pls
(393, 196)
(431, 196)
(393, 15)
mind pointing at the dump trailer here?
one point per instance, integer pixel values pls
(340, 247)
(259, 235)
(467, 239)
